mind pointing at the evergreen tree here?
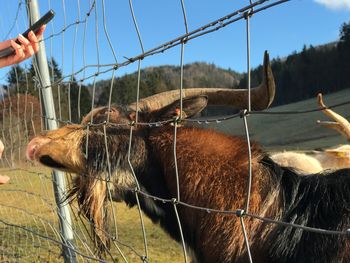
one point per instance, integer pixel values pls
(20, 81)
(345, 33)
(80, 101)
(344, 54)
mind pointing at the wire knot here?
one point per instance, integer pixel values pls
(178, 116)
(240, 213)
(248, 14)
(131, 60)
(243, 113)
(177, 120)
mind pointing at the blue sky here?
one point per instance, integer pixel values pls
(280, 30)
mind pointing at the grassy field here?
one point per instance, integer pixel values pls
(29, 229)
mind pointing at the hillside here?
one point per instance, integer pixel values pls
(291, 131)
(299, 76)
(163, 78)
(302, 75)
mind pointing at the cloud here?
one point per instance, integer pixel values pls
(335, 4)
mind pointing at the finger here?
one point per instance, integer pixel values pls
(18, 48)
(19, 56)
(29, 51)
(2, 147)
(40, 32)
(4, 179)
(19, 52)
(32, 37)
(23, 40)
(15, 45)
(34, 41)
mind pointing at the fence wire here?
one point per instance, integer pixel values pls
(30, 229)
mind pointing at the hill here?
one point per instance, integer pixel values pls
(299, 76)
(291, 131)
(163, 78)
(302, 75)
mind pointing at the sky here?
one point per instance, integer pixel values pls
(281, 30)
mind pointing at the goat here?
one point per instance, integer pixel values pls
(318, 160)
(336, 156)
(212, 173)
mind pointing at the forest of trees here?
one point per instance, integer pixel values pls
(299, 76)
(158, 79)
(21, 80)
(302, 75)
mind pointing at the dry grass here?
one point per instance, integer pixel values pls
(29, 229)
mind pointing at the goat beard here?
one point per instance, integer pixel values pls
(90, 192)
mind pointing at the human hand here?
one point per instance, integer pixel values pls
(26, 49)
(3, 178)
(2, 147)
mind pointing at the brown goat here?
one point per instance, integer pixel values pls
(213, 170)
(212, 173)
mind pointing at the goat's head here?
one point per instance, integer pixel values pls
(62, 148)
(58, 149)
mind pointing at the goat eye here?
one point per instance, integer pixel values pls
(109, 112)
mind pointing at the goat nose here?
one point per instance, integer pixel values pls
(30, 151)
(35, 144)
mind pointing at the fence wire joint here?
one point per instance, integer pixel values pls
(240, 213)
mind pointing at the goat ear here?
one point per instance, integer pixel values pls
(132, 116)
(190, 107)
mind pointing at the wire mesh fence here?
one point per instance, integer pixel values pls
(31, 222)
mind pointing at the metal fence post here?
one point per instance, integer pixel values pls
(59, 184)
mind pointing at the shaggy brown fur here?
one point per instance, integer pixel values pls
(213, 173)
(91, 195)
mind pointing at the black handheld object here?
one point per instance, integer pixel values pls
(35, 27)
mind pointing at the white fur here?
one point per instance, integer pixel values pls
(315, 161)
(299, 161)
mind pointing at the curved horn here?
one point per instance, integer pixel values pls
(261, 96)
(341, 125)
(87, 118)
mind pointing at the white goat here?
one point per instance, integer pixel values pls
(316, 161)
